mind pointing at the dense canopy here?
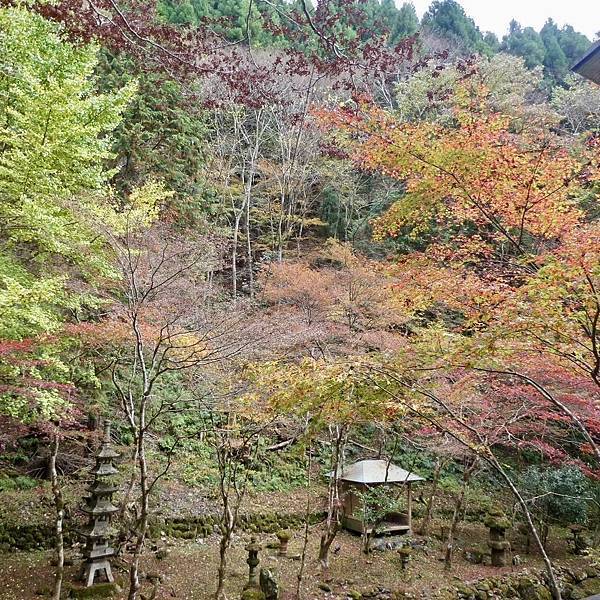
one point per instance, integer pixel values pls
(282, 245)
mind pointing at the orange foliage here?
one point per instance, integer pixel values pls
(510, 187)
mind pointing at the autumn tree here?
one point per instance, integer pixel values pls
(577, 105)
(334, 396)
(498, 207)
(164, 322)
(307, 289)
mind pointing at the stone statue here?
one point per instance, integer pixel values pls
(269, 585)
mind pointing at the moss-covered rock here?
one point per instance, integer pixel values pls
(95, 592)
(31, 536)
(523, 587)
(205, 525)
(496, 519)
(252, 594)
(589, 587)
(529, 589)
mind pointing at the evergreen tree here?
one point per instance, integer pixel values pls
(232, 17)
(526, 43)
(556, 49)
(448, 18)
(177, 12)
(228, 18)
(573, 43)
(405, 24)
(555, 61)
(552, 47)
(491, 41)
(161, 134)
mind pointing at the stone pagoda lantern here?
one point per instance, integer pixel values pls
(253, 549)
(497, 523)
(252, 589)
(100, 509)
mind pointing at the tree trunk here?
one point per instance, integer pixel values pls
(60, 513)
(227, 531)
(554, 587)
(338, 433)
(142, 525)
(234, 246)
(326, 540)
(249, 249)
(300, 574)
(130, 485)
(233, 482)
(456, 516)
(424, 530)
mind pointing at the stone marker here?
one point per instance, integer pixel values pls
(497, 523)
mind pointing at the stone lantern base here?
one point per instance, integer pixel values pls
(252, 594)
(101, 567)
(98, 590)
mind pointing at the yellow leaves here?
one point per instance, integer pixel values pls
(415, 211)
(25, 302)
(337, 391)
(145, 202)
(41, 405)
(187, 347)
(139, 212)
(423, 282)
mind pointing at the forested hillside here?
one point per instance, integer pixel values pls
(267, 240)
(265, 23)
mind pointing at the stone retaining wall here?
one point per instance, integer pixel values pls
(30, 537)
(204, 525)
(41, 536)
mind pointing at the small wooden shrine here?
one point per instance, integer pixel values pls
(358, 478)
(100, 509)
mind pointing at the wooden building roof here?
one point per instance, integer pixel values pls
(377, 471)
(588, 65)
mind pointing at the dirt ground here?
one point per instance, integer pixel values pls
(190, 567)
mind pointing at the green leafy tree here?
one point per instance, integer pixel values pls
(377, 503)
(54, 142)
(555, 60)
(403, 22)
(490, 39)
(552, 47)
(179, 13)
(235, 20)
(556, 495)
(573, 43)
